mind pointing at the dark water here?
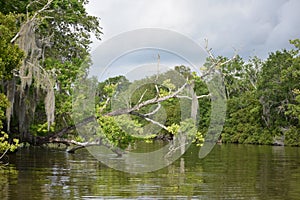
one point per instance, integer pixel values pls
(229, 172)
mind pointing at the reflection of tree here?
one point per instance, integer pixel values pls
(250, 172)
(274, 170)
(230, 171)
(7, 174)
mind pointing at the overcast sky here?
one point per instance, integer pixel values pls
(253, 27)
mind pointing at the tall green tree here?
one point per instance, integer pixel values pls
(279, 78)
(54, 36)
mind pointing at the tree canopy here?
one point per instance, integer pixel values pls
(45, 46)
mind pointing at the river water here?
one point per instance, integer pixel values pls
(228, 172)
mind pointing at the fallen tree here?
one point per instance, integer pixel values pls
(173, 93)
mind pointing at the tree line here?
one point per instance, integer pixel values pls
(45, 47)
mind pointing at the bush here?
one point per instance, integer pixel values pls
(292, 136)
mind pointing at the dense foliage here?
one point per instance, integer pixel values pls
(265, 109)
(45, 47)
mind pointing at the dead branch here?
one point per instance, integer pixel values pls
(105, 105)
(4, 153)
(81, 145)
(141, 98)
(174, 148)
(198, 97)
(124, 111)
(216, 62)
(145, 103)
(154, 111)
(33, 18)
(149, 119)
(157, 90)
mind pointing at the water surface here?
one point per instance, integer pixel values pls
(229, 172)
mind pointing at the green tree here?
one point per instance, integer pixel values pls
(5, 143)
(262, 99)
(54, 36)
(10, 58)
(279, 78)
(243, 122)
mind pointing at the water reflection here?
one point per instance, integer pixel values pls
(230, 171)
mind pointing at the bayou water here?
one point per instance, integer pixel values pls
(229, 172)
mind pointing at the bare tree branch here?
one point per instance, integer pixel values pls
(145, 103)
(30, 20)
(198, 97)
(154, 111)
(80, 145)
(149, 119)
(105, 104)
(4, 153)
(142, 96)
(157, 90)
(215, 62)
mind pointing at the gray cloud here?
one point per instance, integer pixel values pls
(253, 27)
(141, 47)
